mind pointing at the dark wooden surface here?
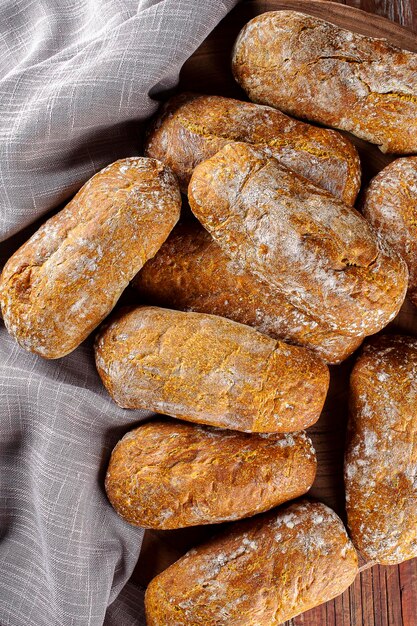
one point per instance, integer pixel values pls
(380, 596)
(403, 12)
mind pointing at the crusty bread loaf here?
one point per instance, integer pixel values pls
(62, 283)
(317, 71)
(260, 572)
(390, 204)
(172, 474)
(209, 370)
(192, 128)
(381, 455)
(322, 254)
(191, 273)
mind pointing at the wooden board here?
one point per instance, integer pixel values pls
(402, 11)
(381, 596)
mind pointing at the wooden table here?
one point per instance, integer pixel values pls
(380, 596)
(403, 12)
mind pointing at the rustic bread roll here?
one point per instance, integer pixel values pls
(318, 71)
(191, 273)
(390, 204)
(322, 254)
(209, 370)
(62, 282)
(260, 572)
(381, 455)
(192, 128)
(171, 475)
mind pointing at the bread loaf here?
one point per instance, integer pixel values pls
(209, 370)
(170, 475)
(191, 273)
(192, 128)
(62, 283)
(322, 254)
(260, 572)
(390, 204)
(320, 72)
(381, 455)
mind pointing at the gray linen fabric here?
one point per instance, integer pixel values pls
(75, 78)
(64, 553)
(74, 75)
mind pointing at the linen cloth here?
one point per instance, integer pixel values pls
(76, 79)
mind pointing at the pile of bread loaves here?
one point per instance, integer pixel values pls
(277, 277)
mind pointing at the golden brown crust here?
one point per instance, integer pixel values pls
(192, 128)
(322, 254)
(191, 273)
(62, 282)
(209, 370)
(381, 455)
(260, 572)
(390, 204)
(315, 70)
(171, 474)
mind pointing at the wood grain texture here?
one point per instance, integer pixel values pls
(380, 596)
(403, 12)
